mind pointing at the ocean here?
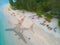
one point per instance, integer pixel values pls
(5, 37)
(1, 29)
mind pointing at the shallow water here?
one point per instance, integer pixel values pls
(5, 37)
(1, 30)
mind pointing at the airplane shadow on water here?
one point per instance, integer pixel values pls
(18, 29)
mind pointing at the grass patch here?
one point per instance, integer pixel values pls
(49, 16)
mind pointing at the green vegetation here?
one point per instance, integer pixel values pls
(47, 25)
(11, 2)
(41, 6)
(49, 16)
(55, 6)
(59, 22)
(38, 6)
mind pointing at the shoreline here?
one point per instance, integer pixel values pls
(41, 38)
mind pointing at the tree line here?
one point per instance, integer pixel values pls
(36, 5)
(39, 6)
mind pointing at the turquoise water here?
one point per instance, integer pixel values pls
(2, 26)
(1, 29)
(5, 37)
(2, 2)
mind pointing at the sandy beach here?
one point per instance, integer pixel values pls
(39, 37)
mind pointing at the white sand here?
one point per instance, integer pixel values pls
(40, 37)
